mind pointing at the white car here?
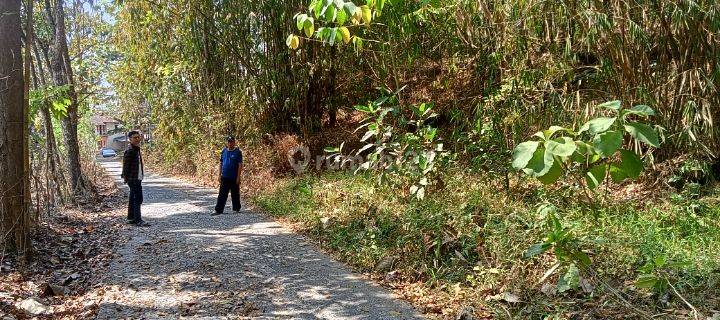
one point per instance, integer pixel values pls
(107, 153)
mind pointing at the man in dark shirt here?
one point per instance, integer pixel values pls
(231, 165)
(133, 174)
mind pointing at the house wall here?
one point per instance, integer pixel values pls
(103, 142)
(102, 131)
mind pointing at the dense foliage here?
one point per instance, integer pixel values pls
(454, 91)
(207, 67)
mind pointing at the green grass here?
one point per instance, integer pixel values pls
(473, 235)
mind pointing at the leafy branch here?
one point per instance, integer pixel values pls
(334, 19)
(593, 151)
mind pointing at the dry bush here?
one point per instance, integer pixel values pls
(258, 175)
(280, 146)
(206, 165)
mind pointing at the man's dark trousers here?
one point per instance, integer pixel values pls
(225, 186)
(136, 198)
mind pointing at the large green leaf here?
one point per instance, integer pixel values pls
(553, 174)
(646, 281)
(578, 158)
(362, 108)
(536, 249)
(339, 36)
(595, 176)
(321, 33)
(584, 148)
(643, 133)
(598, 125)
(379, 6)
(617, 174)
(547, 134)
(642, 110)
(660, 261)
(300, 21)
(540, 163)
(366, 14)
(563, 147)
(332, 36)
(309, 27)
(319, 6)
(341, 17)
(582, 258)
(612, 105)
(570, 280)
(349, 9)
(607, 143)
(325, 5)
(330, 13)
(630, 163)
(523, 153)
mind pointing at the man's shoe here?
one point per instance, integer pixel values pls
(142, 224)
(215, 213)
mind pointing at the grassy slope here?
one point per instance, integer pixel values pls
(465, 243)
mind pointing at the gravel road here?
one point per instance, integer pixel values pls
(188, 264)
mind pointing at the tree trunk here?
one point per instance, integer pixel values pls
(27, 201)
(62, 74)
(12, 184)
(332, 100)
(54, 176)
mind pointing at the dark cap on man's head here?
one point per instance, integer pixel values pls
(230, 139)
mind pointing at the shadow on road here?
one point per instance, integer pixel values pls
(243, 265)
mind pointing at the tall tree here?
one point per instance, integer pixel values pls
(54, 176)
(27, 201)
(12, 165)
(63, 75)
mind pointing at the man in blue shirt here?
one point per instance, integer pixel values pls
(231, 165)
